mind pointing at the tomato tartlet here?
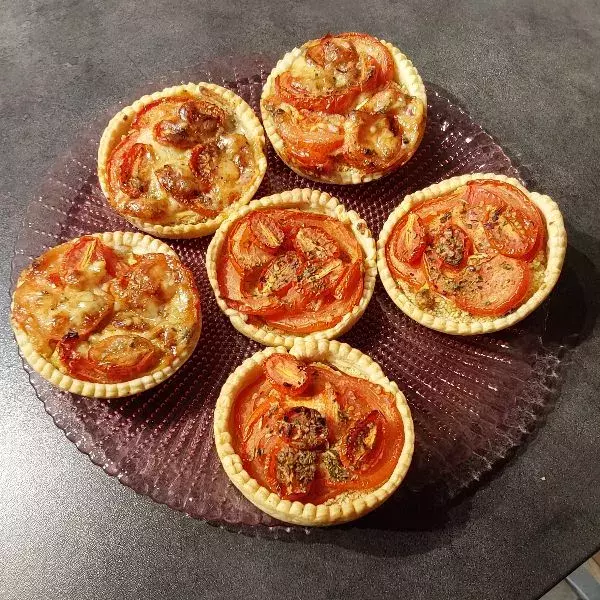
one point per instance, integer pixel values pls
(314, 436)
(293, 265)
(472, 254)
(345, 108)
(107, 315)
(176, 162)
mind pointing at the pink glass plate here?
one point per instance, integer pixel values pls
(473, 400)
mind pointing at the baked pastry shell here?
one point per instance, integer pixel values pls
(302, 199)
(406, 74)
(120, 124)
(555, 253)
(142, 244)
(346, 506)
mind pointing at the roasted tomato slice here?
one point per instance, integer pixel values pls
(231, 286)
(494, 287)
(333, 51)
(113, 359)
(408, 239)
(364, 443)
(280, 274)
(320, 277)
(315, 244)
(89, 260)
(287, 374)
(186, 189)
(244, 251)
(381, 58)
(135, 170)
(373, 142)
(350, 281)
(304, 428)
(295, 92)
(453, 246)
(314, 134)
(266, 231)
(158, 110)
(444, 280)
(512, 223)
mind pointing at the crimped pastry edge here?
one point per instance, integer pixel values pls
(119, 125)
(556, 248)
(143, 244)
(307, 199)
(406, 73)
(342, 508)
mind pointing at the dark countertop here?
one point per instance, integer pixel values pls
(528, 73)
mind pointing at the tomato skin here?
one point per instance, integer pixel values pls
(287, 374)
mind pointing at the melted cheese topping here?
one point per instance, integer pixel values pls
(73, 304)
(231, 174)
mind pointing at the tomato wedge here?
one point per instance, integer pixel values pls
(315, 244)
(494, 287)
(245, 253)
(287, 374)
(113, 359)
(363, 445)
(280, 274)
(266, 231)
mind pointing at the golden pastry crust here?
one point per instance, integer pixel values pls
(342, 508)
(555, 251)
(304, 199)
(406, 75)
(139, 244)
(248, 123)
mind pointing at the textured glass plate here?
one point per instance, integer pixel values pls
(473, 400)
